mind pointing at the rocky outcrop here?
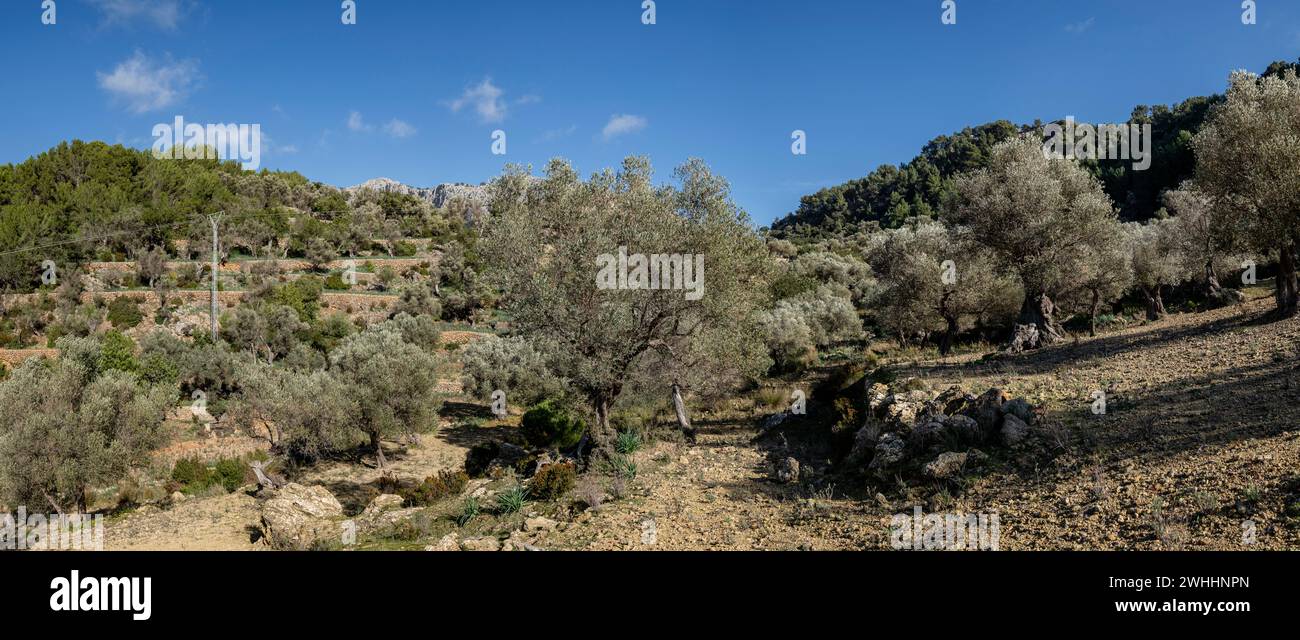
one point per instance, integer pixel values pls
(299, 517)
(475, 198)
(786, 471)
(935, 435)
(384, 513)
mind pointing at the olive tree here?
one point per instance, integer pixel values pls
(618, 281)
(1037, 216)
(1248, 163)
(307, 414)
(1105, 273)
(1206, 237)
(511, 365)
(392, 381)
(65, 427)
(934, 279)
(1156, 261)
(268, 331)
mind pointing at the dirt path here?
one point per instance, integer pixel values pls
(221, 523)
(715, 495)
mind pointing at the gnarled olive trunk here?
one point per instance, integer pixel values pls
(379, 450)
(1155, 303)
(949, 335)
(1215, 293)
(683, 420)
(1288, 289)
(1037, 326)
(601, 434)
(1093, 310)
(951, 328)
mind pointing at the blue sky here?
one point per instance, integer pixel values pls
(870, 81)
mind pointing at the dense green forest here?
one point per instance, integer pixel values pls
(890, 194)
(91, 201)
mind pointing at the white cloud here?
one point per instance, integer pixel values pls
(1080, 27)
(272, 147)
(623, 124)
(164, 14)
(145, 84)
(355, 123)
(531, 98)
(486, 98)
(556, 134)
(399, 128)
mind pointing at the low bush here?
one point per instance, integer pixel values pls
(468, 511)
(552, 481)
(627, 442)
(124, 312)
(480, 457)
(511, 500)
(117, 352)
(194, 476)
(436, 487)
(335, 282)
(549, 425)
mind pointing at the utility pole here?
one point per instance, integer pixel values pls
(214, 218)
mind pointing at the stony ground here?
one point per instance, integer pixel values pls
(1198, 449)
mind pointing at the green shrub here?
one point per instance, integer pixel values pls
(552, 481)
(624, 467)
(191, 474)
(194, 476)
(480, 457)
(124, 312)
(157, 368)
(627, 442)
(511, 500)
(435, 488)
(549, 425)
(117, 352)
(229, 473)
(468, 511)
(770, 397)
(335, 282)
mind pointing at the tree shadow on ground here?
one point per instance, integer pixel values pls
(1052, 359)
(468, 434)
(1243, 403)
(465, 411)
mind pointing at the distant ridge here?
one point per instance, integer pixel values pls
(439, 196)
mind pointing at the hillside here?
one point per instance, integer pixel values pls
(1194, 448)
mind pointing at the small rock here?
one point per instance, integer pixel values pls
(178, 496)
(900, 416)
(954, 400)
(864, 443)
(948, 465)
(539, 524)
(786, 471)
(446, 543)
(1020, 409)
(480, 544)
(987, 410)
(382, 503)
(1014, 430)
(889, 451)
(877, 395)
(298, 517)
(773, 421)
